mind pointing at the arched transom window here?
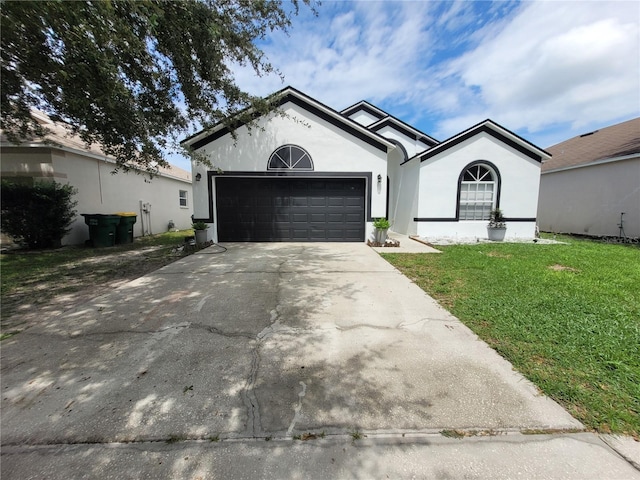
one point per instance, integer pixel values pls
(478, 192)
(290, 157)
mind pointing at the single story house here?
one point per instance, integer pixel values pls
(311, 173)
(592, 184)
(66, 159)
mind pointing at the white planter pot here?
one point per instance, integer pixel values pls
(496, 234)
(381, 235)
(201, 236)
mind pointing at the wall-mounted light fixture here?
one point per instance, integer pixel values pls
(379, 179)
(198, 177)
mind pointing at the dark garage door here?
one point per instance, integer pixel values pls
(290, 209)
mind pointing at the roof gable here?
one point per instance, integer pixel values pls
(493, 129)
(364, 106)
(405, 129)
(385, 119)
(614, 142)
(290, 94)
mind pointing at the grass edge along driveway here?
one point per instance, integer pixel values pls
(567, 316)
(36, 283)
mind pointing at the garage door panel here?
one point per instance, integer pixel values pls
(281, 218)
(353, 202)
(317, 217)
(335, 234)
(317, 201)
(317, 234)
(286, 209)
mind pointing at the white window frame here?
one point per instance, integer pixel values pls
(485, 181)
(185, 198)
(279, 162)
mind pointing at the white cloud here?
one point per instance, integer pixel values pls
(533, 67)
(368, 51)
(556, 62)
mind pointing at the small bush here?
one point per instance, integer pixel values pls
(381, 223)
(37, 215)
(199, 226)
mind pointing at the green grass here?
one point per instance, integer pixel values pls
(566, 316)
(32, 278)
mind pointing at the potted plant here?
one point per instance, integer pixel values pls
(497, 226)
(201, 232)
(381, 226)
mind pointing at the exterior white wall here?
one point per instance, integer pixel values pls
(438, 193)
(588, 200)
(101, 192)
(411, 146)
(403, 204)
(331, 150)
(363, 118)
(465, 230)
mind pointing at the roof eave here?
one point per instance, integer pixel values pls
(282, 99)
(500, 132)
(602, 161)
(419, 136)
(85, 153)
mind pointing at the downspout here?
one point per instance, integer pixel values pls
(142, 217)
(99, 181)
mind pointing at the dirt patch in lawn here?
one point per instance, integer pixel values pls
(563, 268)
(56, 288)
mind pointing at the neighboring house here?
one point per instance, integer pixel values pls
(591, 180)
(66, 159)
(316, 174)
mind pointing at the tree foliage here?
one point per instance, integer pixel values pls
(38, 215)
(131, 74)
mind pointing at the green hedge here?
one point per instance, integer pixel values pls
(37, 215)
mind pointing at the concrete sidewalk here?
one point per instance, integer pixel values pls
(187, 372)
(567, 456)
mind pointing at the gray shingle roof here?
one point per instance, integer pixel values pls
(618, 140)
(60, 135)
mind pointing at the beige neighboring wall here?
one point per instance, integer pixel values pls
(590, 180)
(100, 191)
(588, 200)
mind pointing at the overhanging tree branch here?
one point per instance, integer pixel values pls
(131, 74)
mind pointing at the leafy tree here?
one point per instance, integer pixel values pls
(38, 215)
(132, 74)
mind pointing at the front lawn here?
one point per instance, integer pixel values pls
(567, 316)
(33, 281)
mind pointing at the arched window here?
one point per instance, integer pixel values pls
(290, 157)
(479, 187)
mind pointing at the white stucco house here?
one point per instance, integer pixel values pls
(317, 174)
(592, 184)
(66, 159)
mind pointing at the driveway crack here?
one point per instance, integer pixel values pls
(249, 395)
(254, 424)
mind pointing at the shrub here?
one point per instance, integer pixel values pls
(496, 219)
(37, 215)
(199, 226)
(381, 223)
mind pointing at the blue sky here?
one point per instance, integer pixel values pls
(547, 70)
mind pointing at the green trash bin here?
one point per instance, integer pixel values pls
(124, 230)
(102, 229)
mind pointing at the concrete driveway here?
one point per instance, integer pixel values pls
(263, 341)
